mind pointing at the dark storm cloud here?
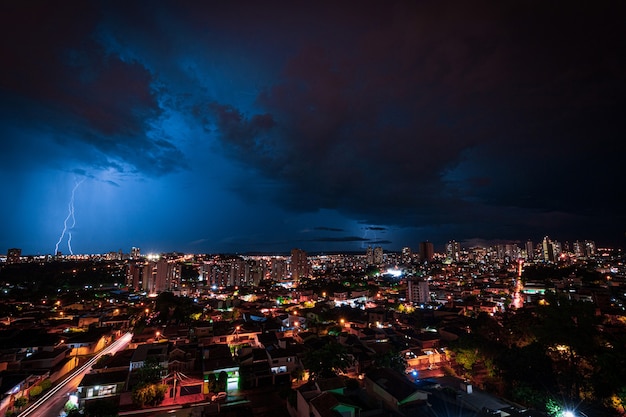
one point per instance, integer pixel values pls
(438, 115)
(380, 242)
(97, 107)
(340, 239)
(442, 120)
(328, 229)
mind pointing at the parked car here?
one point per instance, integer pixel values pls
(220, 396)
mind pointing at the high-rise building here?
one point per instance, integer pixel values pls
(369, 255)
(548, 250)
(159, 276)
(14, 256)
(135, 253)
(590, 248)
(453, 250)
(578, 249)
(133, 276)
(278, 269)
(427, 252)
(407, 255)
(530, 250)
(378, 255)
(417, 291)
(299, 264)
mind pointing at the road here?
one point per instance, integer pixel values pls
(52, 402)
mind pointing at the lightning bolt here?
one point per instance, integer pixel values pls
(70, 215)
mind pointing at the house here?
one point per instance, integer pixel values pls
(148, 335)
(254, 368)
(323, 398)
(99, 385)
(87, 343)
(156, 351)
(45, 359)
(282, 361)
(421, 359)
(216, 359)
(14, 385)
(183, 358)
(394, 391)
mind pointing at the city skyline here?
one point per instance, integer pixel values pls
(206, 127)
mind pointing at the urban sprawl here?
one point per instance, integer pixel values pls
(510, 330)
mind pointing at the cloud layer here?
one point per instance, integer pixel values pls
(423, 120)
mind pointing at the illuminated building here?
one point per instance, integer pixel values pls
(530, 250)
(278, 269)
(14, 256)
(133, 276)
(369, 255)
(590, 248)
(378, 255)
(426, 251)
(161, 275)
(299, 264)
(453, 249)
(417, 291)
(548, 250)
(407, 255)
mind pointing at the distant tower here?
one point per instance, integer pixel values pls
(369, 255)
(299, 264)
(378, 255)
(548, 249)
(133, 276)
(590, 248)
(14, 256)
(530, 250)
(417, 291)
(453, 250)
(407, 255)
(579, 249)
(426, 251)
(135, 253)
(278, 269)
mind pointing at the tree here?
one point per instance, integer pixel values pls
(35, 391)
(150, 373)
(46, 384)
(150, 394)
(20, 402)
(391, 359)
(327, 361)
(212, 383)
(222, 381)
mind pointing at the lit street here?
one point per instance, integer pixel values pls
(52, 402)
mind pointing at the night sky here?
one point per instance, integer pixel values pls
(232, 126)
